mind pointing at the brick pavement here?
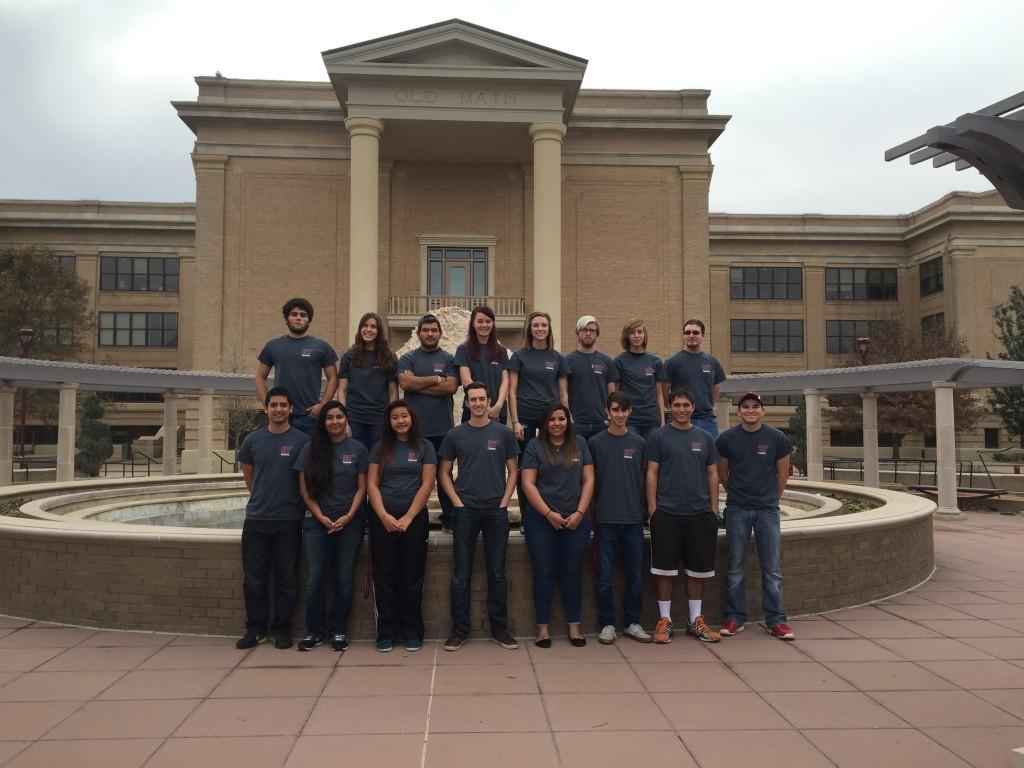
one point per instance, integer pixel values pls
(934, 677)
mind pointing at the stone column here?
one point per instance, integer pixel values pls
(364, 217)
(170, 461)
(547, 223)
(945, 448)
(6, 435)
(815, 470)
(724, 414)
(208, 297)
(66, 418)
(869, 402)
(696, 244)
(204, 463)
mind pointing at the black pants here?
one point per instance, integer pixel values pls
(270, 546)
(399, 562)
(442, 497)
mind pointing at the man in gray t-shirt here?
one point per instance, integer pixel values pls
(487, 456)
(298, 360)
(272, 531)
(592, 375)
(682, 500)
(695, 370)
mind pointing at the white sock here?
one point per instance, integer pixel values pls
(665, 609)
(694, 609)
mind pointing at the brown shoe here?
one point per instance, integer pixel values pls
(663, 631)
(702, 631)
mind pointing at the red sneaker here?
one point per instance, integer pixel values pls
(729, 628)
(782, 631)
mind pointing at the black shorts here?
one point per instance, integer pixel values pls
(692, 539)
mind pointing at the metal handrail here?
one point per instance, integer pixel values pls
(419, 304)
(233, 464)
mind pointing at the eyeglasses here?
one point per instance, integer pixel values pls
(691, 333)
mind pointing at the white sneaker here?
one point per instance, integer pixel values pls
(638, 633)
(607, 636)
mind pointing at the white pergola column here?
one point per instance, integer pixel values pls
(547, 223)
(812, 398)
(869, 401)
(204, 462)
(364, 216)
(6, 435)
(170, 430)
(945, 450)
(66, 419)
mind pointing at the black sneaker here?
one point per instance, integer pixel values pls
(504, 638)
(282, 640)
(309, 642)
(455, 640)
(339, 643)
(250, 640)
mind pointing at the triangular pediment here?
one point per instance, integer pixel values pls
(453, 43)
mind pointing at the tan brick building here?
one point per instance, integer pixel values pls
(456, 164)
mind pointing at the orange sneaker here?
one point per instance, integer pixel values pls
(702, 631)
(663, 631)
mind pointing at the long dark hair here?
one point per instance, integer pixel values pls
(569, 447)
(473, 343)
(388, 437)
(385, 358)
(320, 469)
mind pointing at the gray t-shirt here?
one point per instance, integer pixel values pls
(560, 486)
(589, 376)
(402, 478)
(619, 466)
(480, 454)
(484, 370)
(349, 461)
(639, 375)
(433, 411)
(539, 371)
(298, 365)
(275, 477)
(753, 476)
(697, 372)
(366, 395)
(683, 457)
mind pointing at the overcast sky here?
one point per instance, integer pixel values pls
(817, 90)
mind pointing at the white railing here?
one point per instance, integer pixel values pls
(503, 306)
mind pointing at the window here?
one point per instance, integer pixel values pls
(766, 283)
(991, 437)
(846, 438)
(456, 271)
(930, 273)
(841, 335)
(859, 284)
(66, 261)
(139, 273)
(933, 325)
(767, 335)
(62, 333)
(138, 329)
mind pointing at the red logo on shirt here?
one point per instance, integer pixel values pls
(696, 445)
(492, 445)
(648, 371)
(348, 458)
(549, 365)
(286, 450)
(597, 367)
(628, 453)
(438, 368)
(706, 368)
(307, 351)
(414, 456)
(762, 449)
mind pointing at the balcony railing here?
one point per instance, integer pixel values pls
(503, 306)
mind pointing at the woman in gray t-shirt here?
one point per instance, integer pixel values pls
(538, 377)
(403, 467)
(557, 476)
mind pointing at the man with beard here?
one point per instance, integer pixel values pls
(297, 360)
(592, 376)
(429, 378)
(695, 370)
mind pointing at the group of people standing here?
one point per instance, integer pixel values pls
(586, 445)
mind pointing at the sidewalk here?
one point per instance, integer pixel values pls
(934, 678)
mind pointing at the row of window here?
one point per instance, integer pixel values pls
(788, 335)
(138, 329)
(841, 283)
(150, 274)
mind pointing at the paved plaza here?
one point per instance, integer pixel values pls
(934, 677)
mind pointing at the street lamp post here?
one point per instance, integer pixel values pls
(863, 345)
(27, 336)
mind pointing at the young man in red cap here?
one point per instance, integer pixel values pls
(753, 466)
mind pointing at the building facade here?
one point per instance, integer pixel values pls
(453, 164)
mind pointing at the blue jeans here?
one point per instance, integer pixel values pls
(367, 434)
(555, 553)
(611, 539)
(529, 432)
(765, 524)
(303, 422)
(442, 497)
(587, 429)
(468, 525)
(708, 423)
(331, 555)
(645, 430)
